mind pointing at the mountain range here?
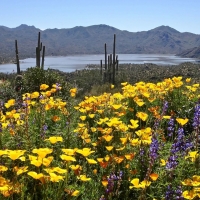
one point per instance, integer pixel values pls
(91, 40)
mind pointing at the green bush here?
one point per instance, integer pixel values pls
(34, 77)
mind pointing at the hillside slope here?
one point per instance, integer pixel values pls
(91, 39)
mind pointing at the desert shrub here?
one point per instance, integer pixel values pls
(33, 77)
(6, 91)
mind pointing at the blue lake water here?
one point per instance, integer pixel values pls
(77, 62)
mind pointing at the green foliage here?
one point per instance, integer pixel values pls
(6, 91)
(35, 76)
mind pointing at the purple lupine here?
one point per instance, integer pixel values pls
(178, 193)
(154, 147)
(173, 194)
(196, 119)
(44, 129)
(196, 125)
(113, 180)
(171, 127)
(172, 162)
(164, 108)
(181, 144)
(169, 193)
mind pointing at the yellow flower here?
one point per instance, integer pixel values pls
(54, 139)
(112, 86)
(189, 194)
(85, 151)
(3, 168)
(108, 138)
(129, 156)
(162, 162)
(135, 142)
(15, 154)
(116, 106)
(91, 115)
(48, 93)
(55, 118)
(83, 178)
(67, 158)
(118, 159)
(35, 95)
(75, 193)
(124, 140)
(46, 161)
(124, 84)
(59, 170)
(139, 102)
(42, 152)
(10, 103)
(73, 92)
(182, 121)
(104, 183)
(21, 170)
(188, 80)
(153, 176)
(91, 161)
(143, 116)
(192, 155)
(36, 162)
(166, 117)
(187, 182)
(53, 90)
(43, 87)
(134, 124)
(16, 115)
(109, 148)
(55, 178)
(70, 152)
(75, 167)
(35, 175)
(93, 129)
(83, 117)
(141, 185)
(120, 149)
(94, 171)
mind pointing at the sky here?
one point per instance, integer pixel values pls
(130, 15)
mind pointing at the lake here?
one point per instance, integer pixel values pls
(77, 62)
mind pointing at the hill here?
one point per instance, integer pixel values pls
(91, 39)
(191, 53)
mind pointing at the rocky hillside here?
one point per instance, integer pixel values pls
(191, 53)
(91, 39)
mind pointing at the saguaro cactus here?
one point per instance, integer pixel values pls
(106, 69)
(38, 49)
(101, 67)
(17, 57)
(43, 54)
(111, 64)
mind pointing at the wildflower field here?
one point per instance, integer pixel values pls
(141, 142)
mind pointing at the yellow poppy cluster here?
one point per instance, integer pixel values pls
(110, 129)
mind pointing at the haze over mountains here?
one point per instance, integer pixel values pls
(91, 40)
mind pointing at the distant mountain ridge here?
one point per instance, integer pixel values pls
(91, 40)
(190, 53)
